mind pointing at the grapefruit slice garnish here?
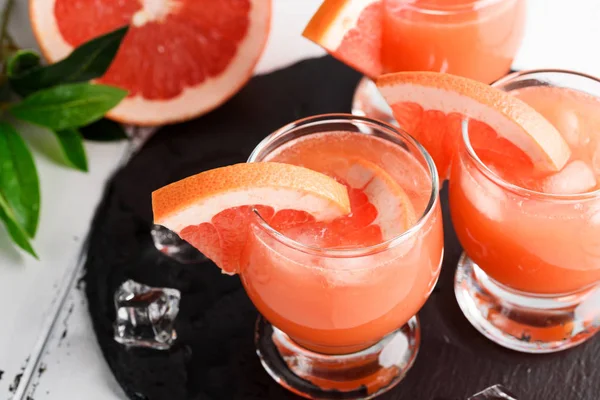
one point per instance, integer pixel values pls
(351, 31)
(431, 106)
(377, 199)
(180, 59)
(380, 208)
(213, 209)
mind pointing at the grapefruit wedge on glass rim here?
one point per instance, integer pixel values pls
(179, 59)
(380, 208)
(351, 31)
(213, 210)
(504, 130)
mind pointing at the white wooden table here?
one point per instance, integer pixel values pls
(45, 329)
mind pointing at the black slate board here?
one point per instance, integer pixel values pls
(214, 358)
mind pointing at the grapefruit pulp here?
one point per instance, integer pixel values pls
(358, 206)
(180, 59)
(351, 31)
(503, 130)
(212, 210)
(379, 208)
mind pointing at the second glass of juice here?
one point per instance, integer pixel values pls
(530, 275)
(477, 39)
(338, 299)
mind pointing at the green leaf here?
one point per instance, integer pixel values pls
(16, 232)
(103, 130)
(68, 106)
(71, 143)
(88, 61)
(21, 62)
(19, 183)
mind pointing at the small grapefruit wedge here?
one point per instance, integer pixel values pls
(351, 31)
(380, 208)
(212, 210)
(431, 106)
(377, 199)
(382, 205)
(180, 59)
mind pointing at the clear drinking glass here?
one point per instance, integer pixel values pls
(341, 323)
(477, 39)
(529, 278)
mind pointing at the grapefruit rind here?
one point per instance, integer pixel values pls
(196, 199)
(333, 20)
(395, 212)
(510, 117)
(192, 101)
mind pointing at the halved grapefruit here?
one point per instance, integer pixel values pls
(351, 31)
(180, 58)
(431, 106)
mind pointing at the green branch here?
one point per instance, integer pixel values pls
(58, 97)
(4, 35)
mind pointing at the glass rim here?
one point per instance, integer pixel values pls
(490, 174)
(351, 251)
(440, 10)
(517, 74)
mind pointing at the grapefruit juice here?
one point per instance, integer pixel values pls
(346, 286)
(531, 234)
(338, 298)
(334, 227)
(536, 240)
(477, 39)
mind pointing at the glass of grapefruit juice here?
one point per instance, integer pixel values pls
(529, 278)
(339, 299)
(477, 39)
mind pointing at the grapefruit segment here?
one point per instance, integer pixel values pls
(379, 207)
(180, 59)
(375, 197)
(574, 114)
(430, 106)
(351, 31)
(212, 210)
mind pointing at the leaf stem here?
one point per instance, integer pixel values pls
(10, 42)
(4, 35)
